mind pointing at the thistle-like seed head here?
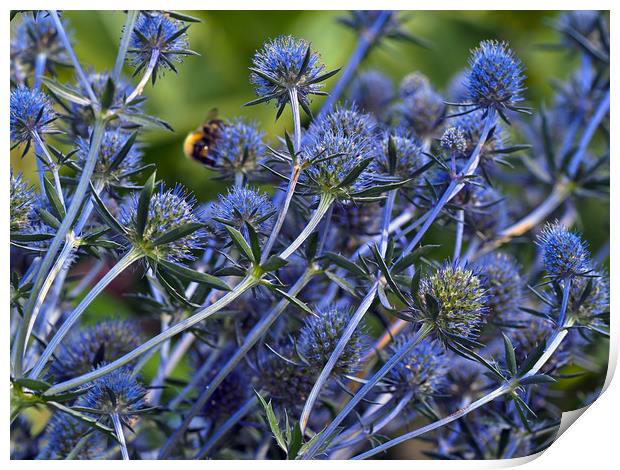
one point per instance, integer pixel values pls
(409, 154)
(90, 347)
(30, 111)
(37, 37)
(564, 253)
(472, 124)
(501, 277)
(158, 33)
(238, 148)
(238, 206)
(278, 67)
(21, 203)
(108, 169)
(339, 141)
(168, 209)
(453, 301)
(495, 77)
(319, 336)
(118, 392)
(421, 111)
(453, 140)
(421, 372)
(62, 435)
(372, 91)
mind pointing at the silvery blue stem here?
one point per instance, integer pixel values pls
(127, 260)
(76, 63)
(247, 283)
(364, 44)
(145, 78)
(258, 331)
(118, 430)
(130, 21)
(39, 69)
(366, 388)
(460, 226)
(226, 426)
(589, 132)
(356, 318)
(552, 345)
(50, 164)
(292, 183)
(324, 204)
(59, 238)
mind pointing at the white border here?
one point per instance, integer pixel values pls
(591, 444)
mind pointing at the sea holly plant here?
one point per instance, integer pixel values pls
(406, 263)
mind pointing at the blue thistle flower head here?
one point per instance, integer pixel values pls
(472, 124)
(158, 34)
(372, 91)
(81, 118)
(501, 277)
(453, 140)
(335, 144)
(113, 166)
(90, 347)
(453, 301)
(589, 308)
(168, 209)
(495, 77)
(280, 66)
(238, 148)
(30, 111)
(564, 253)
(320, 334)
(21, 203)
(231, 394)
(37, 36)
(421, 109)
(409, 154)
(285, 381)
(412, 83)
(422, 372)
(118, 392)
(238, 206)
(63, 433)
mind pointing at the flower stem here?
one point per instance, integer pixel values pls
(324, 204)
(295, 172)
(145, 78)
(460, 226)
(456, 184)
(177, 328)
(258, 331)
(117, 269)
(226, 426)
(552, 345)
(362, 392)
(596, 119)
(365, 42)
(76, 63)
(118, 430)
(63, 230)
(130, 21)
(51, 165)
(356, 318)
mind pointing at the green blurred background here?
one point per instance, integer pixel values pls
(227, 40)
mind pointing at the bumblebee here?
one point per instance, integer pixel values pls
(198, 145)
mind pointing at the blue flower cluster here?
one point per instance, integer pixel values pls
(384, 267)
